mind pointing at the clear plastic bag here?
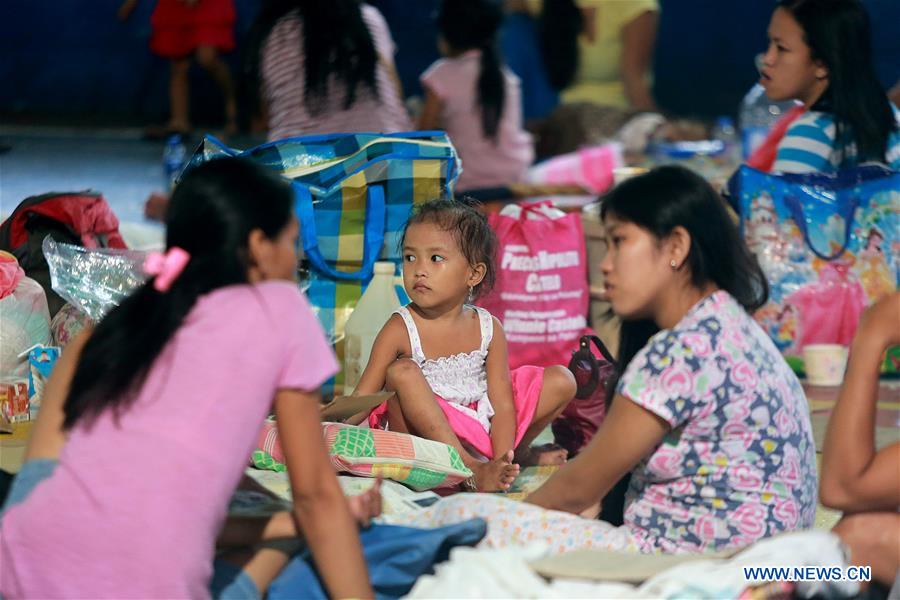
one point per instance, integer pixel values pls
(93, 280)
(26, 322)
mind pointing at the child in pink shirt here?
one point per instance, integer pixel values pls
(151, 416)
(475, 98)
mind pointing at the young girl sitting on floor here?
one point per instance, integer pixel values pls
(148, 420)
(447, 361)
(475, 98)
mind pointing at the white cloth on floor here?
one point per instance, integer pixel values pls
(504, 573)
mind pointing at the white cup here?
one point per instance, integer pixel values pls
(825, 363)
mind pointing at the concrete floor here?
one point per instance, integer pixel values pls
(116, 163)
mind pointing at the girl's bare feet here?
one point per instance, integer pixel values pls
(546, 454)
(493, 476)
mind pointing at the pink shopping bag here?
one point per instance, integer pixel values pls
(541, 292)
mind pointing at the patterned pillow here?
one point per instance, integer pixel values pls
(419, 463)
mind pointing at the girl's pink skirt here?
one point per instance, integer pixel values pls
(527, 382)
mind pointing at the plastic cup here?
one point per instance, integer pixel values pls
(825, 364)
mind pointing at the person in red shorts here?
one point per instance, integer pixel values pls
(199, 29)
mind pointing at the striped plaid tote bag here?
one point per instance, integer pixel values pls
(354, 193)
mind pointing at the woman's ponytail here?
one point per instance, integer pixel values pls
(491, 90)
(474, 25)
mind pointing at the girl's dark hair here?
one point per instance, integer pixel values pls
(469, 229)
(837, 33)
(212, 212)
(336, 42)
(669, 197)
(559, 25)
(474, 24)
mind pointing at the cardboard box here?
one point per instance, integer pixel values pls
(14, 400)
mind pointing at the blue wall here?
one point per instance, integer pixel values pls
(74, 58)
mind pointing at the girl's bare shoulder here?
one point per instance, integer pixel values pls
(394, 333)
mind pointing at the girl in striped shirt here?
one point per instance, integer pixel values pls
(326, 66)
(820, 54)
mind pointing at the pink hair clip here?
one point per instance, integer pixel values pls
(167, 267)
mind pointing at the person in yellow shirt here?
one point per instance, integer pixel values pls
(616, 54)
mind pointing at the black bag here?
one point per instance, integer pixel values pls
(579, 421)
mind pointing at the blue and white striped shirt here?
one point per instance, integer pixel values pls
(809, 145)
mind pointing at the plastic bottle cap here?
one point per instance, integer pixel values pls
(385, 266)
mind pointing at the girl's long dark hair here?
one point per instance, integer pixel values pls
(660, 201)
(336, 42)
(474, 24)
(838, 34)
(559, 25)
(212, 212)
(668, 197)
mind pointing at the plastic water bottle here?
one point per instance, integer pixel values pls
(758, 115)
(173, 158)
(725, 132)
(371, 313)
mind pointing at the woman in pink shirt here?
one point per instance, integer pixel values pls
(475, 98)
(148, 420)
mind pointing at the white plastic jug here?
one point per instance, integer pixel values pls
(371, 313)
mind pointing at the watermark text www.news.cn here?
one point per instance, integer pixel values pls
(854, 573)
